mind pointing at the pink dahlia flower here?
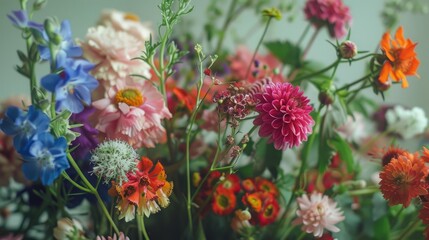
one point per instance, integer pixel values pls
(316, 213)
(112, 51)
(263, 66)
(284, 115)
(126, 22)
(133, 114)
(332, 13)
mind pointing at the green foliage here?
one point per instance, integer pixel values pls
(286, 52)
(266, 157)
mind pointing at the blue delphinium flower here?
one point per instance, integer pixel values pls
(44, 157)
(19, 19)
(23, 125)
(72, 87)
(67, 48)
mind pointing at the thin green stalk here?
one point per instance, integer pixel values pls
(359, 58)
(226, 24)
(409, 229)
(292, 75)
(141, 226)
(257, 47)
(354, 82)
(93, 191)
(82, 188)
(304, 33)
(334, 64)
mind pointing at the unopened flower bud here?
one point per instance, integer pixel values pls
(50, 28)
(326, 98)
(245, 139)
(272, 12)
(348, 49)
(382, 86)
(230, 140)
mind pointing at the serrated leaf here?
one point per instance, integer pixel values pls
(286, 52)
(343, 149)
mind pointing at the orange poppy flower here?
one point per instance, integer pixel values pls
(403, 179)
(401, 60)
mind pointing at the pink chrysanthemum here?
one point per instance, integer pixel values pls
(133, 114)
(284, 115)
(112, 51)
(331, 13)
(316, 213)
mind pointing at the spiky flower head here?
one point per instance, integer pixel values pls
(113, 159)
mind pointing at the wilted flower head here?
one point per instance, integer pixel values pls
(68, 229)
(318, 212)
(407, 123)
(401, 59)
(330, 13)
(284, 115)
(113, 159)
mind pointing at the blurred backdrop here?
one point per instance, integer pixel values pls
(367, 29)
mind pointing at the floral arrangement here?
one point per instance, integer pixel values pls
(140, 132)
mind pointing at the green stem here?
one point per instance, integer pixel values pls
(257, 47)
(141, 226)
(410, 229)
(359, 58)
(304, 33)
(354, 82)
(334, 64)
(292, 75)
(226, 24)
(93, 191)
(82, 188)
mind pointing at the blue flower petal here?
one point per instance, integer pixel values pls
(83, 93)
(50, 82)
(31, 170)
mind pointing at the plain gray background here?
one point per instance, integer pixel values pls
(367, 30)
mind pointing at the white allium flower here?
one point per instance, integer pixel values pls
(406, 122)
(316, 213)
(113, 159)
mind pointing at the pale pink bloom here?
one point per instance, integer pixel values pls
(354, 129)
(284, 115)
(112, 52)
(121, 237)
(133, 114)
(263, 66)
(127, 22)
(331, 13)
(12, 237)
(318, 212)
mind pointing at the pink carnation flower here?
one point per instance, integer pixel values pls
(332, 13)
(263, 66)
(317, 213)
(133, 114)
(126, 22)
(112, 51)
(284, 115)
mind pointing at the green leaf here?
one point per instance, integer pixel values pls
(325, 153)
(266, 157)
(286, 52)
(272, 159)
(343, 149)
(249, 147)
(381, 228)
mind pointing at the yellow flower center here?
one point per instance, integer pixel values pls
(132, 17)
(130, 96)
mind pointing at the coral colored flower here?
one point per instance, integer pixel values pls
(284, 115)
(316, 213)
(224, 201)
(269, 211)
(403, 179)
(133, 114)
(253, 200)
(145, 191)
(231, 183)
(330, 13)
(112, 51)
(401, 59)
(248, 185)
(386, 155)
(266, 185)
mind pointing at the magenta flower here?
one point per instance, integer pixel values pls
(284, 115)
(331, 13)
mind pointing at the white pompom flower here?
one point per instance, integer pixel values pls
(407, 123)
(113, 159)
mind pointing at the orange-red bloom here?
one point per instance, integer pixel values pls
(231, 183)
(401, 60)
(266, 185)
(403, 179)
(224, 202)
(386, 155)
(248, 185)
(270, 211)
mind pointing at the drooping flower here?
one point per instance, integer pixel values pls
(403, 179)
(126, 22)
(401, 59)
(113, 159)
(145, 190)
(318, 212)
(19, 18)
(224, 201)
(23, 125)
(44, 157)
(68, 229)
(133, 114)
(330, 13)
(113, 52)
(407, 123)
(72, 88)
(284, 115)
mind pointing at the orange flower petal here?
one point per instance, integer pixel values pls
(385, 70)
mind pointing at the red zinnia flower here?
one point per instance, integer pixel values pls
(231, 183)
(266, 186)
(401, 60)
(224, 202)
(403, 179)
(284, 115)
(269, 212)
(248, 185)
(253, 200)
